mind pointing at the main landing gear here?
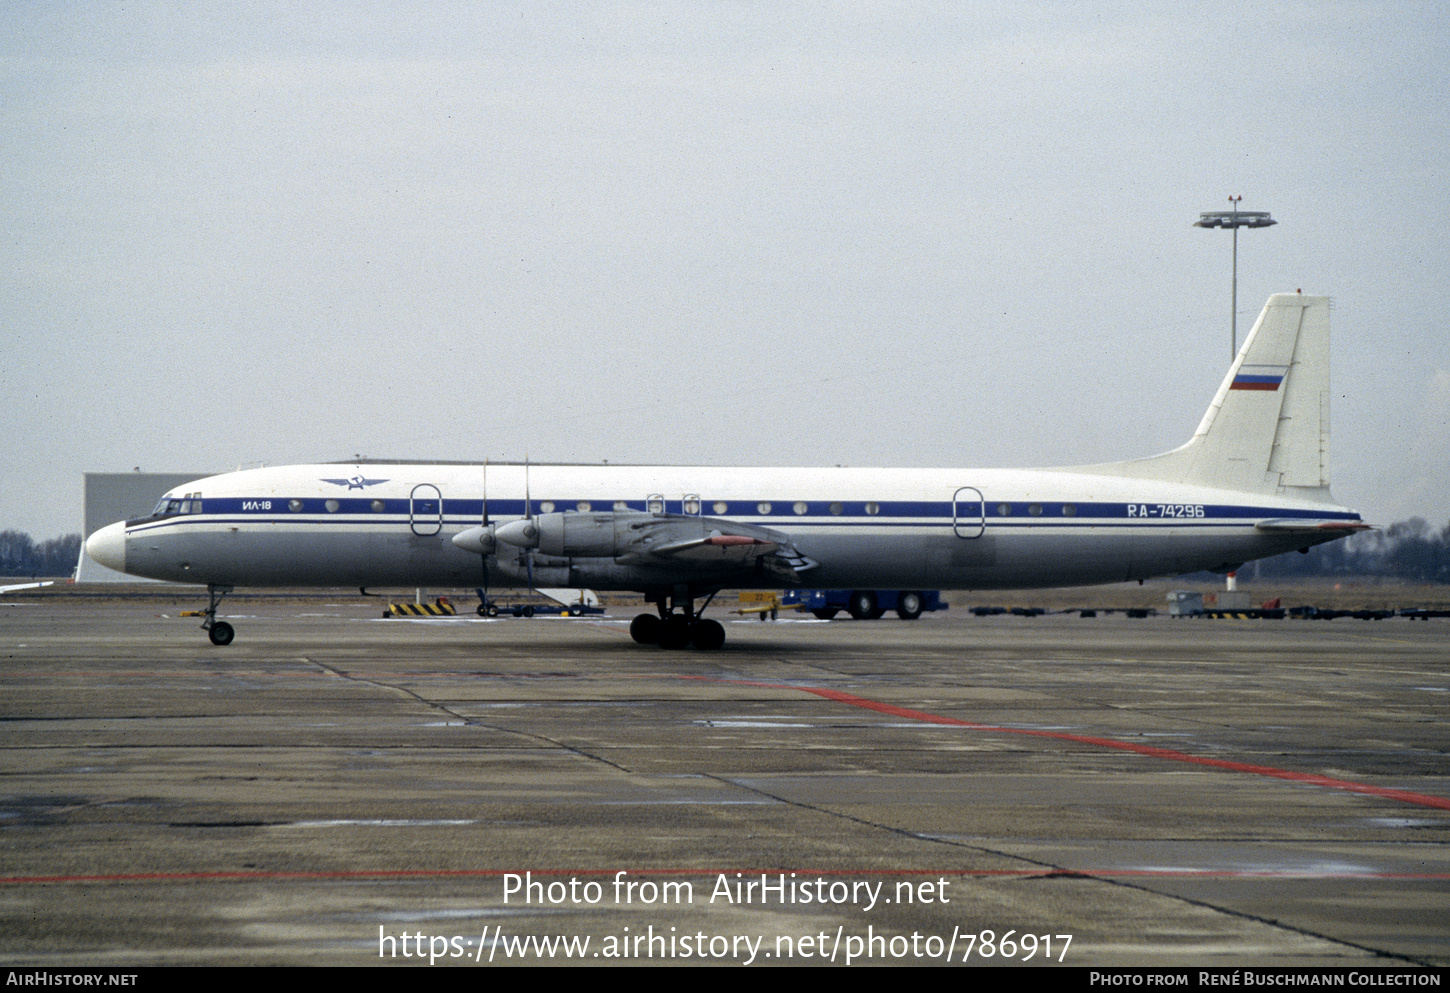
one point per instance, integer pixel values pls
(220, 632)
(678, 625)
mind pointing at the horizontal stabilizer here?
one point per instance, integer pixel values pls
(25, 586)
(1292, 524)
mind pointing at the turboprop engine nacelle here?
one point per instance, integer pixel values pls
(579, 534)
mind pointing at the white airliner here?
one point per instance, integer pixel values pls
(1251, 482)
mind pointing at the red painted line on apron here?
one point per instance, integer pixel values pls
(1308, 778)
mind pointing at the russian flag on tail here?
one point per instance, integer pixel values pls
(1259, 377)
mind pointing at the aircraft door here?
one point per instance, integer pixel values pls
(690, 504)
(425, 509)
(969, 512)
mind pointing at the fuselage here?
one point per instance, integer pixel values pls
(392, 524)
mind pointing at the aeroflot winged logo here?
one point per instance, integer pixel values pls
(355, 483)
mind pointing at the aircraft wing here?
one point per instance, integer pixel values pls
(714, 547)
(652, 541)
(705, 541)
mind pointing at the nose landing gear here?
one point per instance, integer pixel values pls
(220, 632)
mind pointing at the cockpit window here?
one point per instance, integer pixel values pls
(189, 503)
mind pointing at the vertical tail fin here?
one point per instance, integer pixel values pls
(1267, 430)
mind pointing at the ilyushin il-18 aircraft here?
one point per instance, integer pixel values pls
(1251, 482)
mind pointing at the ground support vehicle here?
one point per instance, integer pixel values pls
(866, 605)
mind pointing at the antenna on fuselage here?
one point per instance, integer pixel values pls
(528, 516)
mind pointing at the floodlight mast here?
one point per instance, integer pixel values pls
(1234, 219)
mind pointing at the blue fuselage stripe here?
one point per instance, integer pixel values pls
(782, 513)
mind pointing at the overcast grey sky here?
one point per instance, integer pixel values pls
(721, 232)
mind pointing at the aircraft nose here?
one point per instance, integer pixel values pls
(108, 546)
